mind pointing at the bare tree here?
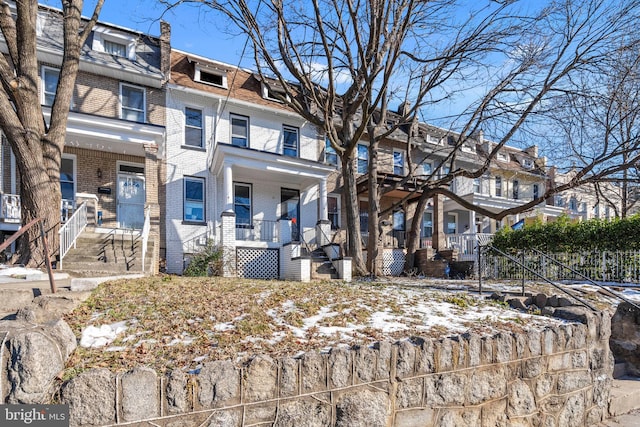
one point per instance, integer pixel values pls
(343, 63)
(600, 127)
(36, 142)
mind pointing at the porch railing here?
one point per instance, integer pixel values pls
(71, 229)
(11, 210)
(258, 231)
(467, 244)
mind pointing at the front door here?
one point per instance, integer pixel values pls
(291, 210)
(131, 198)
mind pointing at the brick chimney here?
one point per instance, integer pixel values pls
(165, 49)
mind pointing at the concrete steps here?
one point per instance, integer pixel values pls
(321, 266)
(625, 396)
(104, 254)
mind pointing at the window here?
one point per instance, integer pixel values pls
(452, 224)
(398, 220)
(559, 201)
(50, 78)
(503, 157)
(330, 155)
(114, 42)
(290, 141)
(274, 94)
(536, 191)
(573, 204)
(427, 168)
(427, 224)
(242, 204)
(193, 127)
(132, 103)
(516, 190)
(398, 162)
(596, 210)
(193, 199)
(67, 178)
(364, 216)
(115, 48)
(208, 76)
(334, 211)
(498, 186)
(476, 185)
(363, 158)
(607, 212)
(239, 131)
(527, 163)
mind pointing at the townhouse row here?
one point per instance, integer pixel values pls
(208, 150)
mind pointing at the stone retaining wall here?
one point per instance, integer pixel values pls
(559, 376)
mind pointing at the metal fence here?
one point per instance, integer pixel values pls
(620, 266)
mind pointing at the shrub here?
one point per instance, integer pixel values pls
(565, 235)
(207, 262)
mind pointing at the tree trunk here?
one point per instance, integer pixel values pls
(40, 198)
(354, 247)
(414, 234)
(374, 264)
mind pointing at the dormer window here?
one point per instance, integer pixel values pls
(273, 94)
(503, 157)
(433, 139)
(527, 163)
(114, 43)
(210, 76)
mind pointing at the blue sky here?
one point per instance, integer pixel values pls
(192, 30)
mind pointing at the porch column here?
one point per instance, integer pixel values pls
(472, 222)
(151, 199)
(323, 227)
(228, 242)
(228, 188)
(439, 242)
(324, 210)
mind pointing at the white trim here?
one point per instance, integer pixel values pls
(43, 70)
(288, 128)
(202, 127)
(233, 101)
(248, 129)
(197, 75)
(203, 183)
(338, 206)
(144, 101)
(403, 155)
(101, 34)
(74, 159)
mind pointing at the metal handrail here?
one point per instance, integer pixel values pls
(71, 229)
(588, 279)
(540, 276)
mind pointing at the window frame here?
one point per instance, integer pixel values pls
(44, 94)
(362, 160)
(423, 227)
(102, 34)
(199, 70)
(292, 130)
(335, 224)
(498, 186)
(185, 200)
(233, 116)
(535, 190)
(400, 156)
(515, 189)
(144, 102)
(186, 125)
(424, 171)
(330, 151)
(250, 187)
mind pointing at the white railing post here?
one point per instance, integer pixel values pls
(71, 229)
(145, 234)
